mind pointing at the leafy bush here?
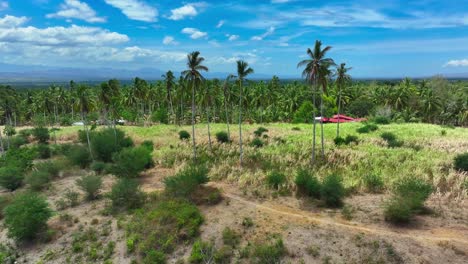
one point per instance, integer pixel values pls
(461, 162)
(38, 180)
(360, 107)
(259, 132)
(339, 141)
(305, 113)
(11, 178)
(162, 227)
(106, 142)
(52, 168)
(98, 166)
(184, 135)
(65, 121)
(161, 115)
(398, 210)
(18, 141)
(9, 130)
(41, 134)
(269, 253)
(72, 197)
(231, 237)
(351, 139)
(91, 185)
(25, 133)
(79, 156)
(186, 181)
(332, 190)
(367, 128)
(415, 189)
(21, 158)
(257, 143)
(131, 161)
(373, 182)
(148, 144)
(43, 151)
(26, 216)
(8, 254)
(4, 202)
(126, 194)
(307, 183)
(391, 139)
(222, 137)
(275, 179)
(154, 257)
(381, 120)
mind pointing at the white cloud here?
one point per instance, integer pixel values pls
(78, 10)
(135, 9)
(270, 31)
(3, 5)
(280, 1)
(183, 12)
(194, 33)
(457, 63)
(13, 32)
(12, 21)
(168, 40)
(220, 24)
(232, 37)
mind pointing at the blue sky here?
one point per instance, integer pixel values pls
(392, 38)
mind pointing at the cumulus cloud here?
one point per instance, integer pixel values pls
(13, 32)
(135, 9)
(232, 37)
(183, 12)
(220, 24)
(168, 40)
(194, 33)
(3, 5)
(77, 10)
(457, 63)
(270, 31)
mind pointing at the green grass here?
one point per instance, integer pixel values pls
(430, 153)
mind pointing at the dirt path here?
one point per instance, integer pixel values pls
(435, 236)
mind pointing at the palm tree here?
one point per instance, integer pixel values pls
(311, 74)
(84, 103)
(243, 70)
(193, 75)
(323, 78)
(226, 99)
(169, 80)
(342, 78)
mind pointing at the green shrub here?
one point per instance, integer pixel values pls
(154, 257)
(161, 115)
(72, 197)
(21, 158)
(332, 190)
(130, 162)
(91, 185)
(26, 216)
(148, 144)
(186, 181)
(25, 133)
(307, 183)
(222, 137)
(373, 182)
(52, 168)
(367, 128)
(398, 210)
(126, 193)
(99, 167)
(269, 253)
(8, 254)
(108, 141)
(339, 141)
(351, 139)
(388, 136)
(65, 121)
(38, 180)
(79, 156)
(41, 134)
(9, 130)
(184, 135)
(18, 141)
(305, 113)
(381, 120)
(164, 225)
(231, 237)
(415, 190)
(257, 143)
(275, 179)
(11, 178)
(461, 162)
(43, 151)
(259, 132)
(5, 200)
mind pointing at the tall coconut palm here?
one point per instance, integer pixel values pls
(323, 79)
(84, 103)
(226, 97)
(169, 81)
(342, 79)
(194, 76)
(243, 70)
(311, 74)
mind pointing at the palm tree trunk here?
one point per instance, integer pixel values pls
(193, 123)
(227, 118)
(240, 124)
(1, 143)
(55, 122)
(172, 107)
(314, 122)
(339, 109)
(321, 124)
(209, 133)
(83, 119)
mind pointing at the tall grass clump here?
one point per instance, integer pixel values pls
(276, 179)
(332, 191)
(184, 183)
(409, 195)
(373, 182)
(268, 253)
(91, 185)
(461, 162)
(391, 140)
(307, 183)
